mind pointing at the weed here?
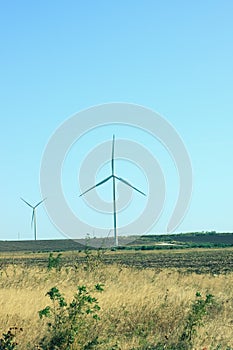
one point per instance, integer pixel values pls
(54, 262)
(194, 320)
(198, 311)
(69, 322)
(8, 342)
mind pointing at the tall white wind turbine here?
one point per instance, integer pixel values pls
(114, 178)
(33, 221)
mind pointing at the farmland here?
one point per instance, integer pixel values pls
(146, 242)
(147, 302)
(214, 261)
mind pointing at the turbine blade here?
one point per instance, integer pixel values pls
(100, 183)
(33, 214)
(40, 203)
(113, 151)
(26, 202)
(128, 184)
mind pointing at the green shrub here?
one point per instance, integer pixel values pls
(194, 320)
(8, 341)
(54, 262)
(70, 324)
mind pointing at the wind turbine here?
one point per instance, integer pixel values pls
(33, 213)
(114, 178)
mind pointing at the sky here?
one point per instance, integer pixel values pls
(61, 57)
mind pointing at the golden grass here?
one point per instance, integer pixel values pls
(136, 304)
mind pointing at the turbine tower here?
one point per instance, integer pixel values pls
(33, 213)
(114, 178)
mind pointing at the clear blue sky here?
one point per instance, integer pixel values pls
(59, 57)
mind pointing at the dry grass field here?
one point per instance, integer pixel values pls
(140, 307)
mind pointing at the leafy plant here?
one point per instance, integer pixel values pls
(93, 259)
(69, 323)
(198, 311)
(54, 262)
(8, 342)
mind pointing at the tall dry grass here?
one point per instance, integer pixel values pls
(138, 307)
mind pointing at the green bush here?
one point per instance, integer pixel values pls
(8, 341)
(70, 324)
(54, 262)
(194, 320)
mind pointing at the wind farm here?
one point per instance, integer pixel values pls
(114, 177)
(142, 265)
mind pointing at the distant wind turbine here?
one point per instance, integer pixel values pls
(114, 178)
(33, 213)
